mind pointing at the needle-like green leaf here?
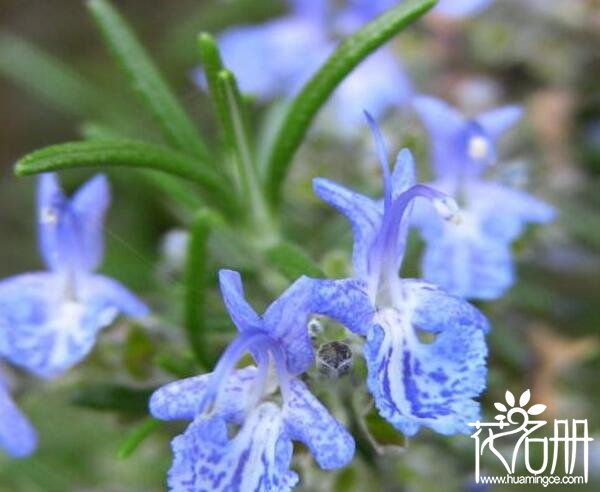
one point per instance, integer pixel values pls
(315, 93)
(49, 78)
(146, 79)
(196, 272)
(292, 261)
(137, 436)
(127, 153)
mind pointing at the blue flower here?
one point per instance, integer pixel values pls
(49, 320)
(292, 48)
(360, 11)
(461, 8)
(17, 436)
(425, 349)
(258, 457)
(472, 258)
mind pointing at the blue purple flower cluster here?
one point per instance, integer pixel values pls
(49, 321)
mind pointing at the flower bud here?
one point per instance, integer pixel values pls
(334, 359)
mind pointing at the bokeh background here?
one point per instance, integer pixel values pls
(543, 54)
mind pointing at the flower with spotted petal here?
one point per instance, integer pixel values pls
(472, 257)
(425, 349)
(258, 456)
(49, 320)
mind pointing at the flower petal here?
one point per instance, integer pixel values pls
(257, 458)
(444, 125)
(291, 49)
(461, 8)
(377, 85)
(308, 421)
(504, 211)
(46, 329)
(286, 320)
(243, 315)
(100, 293)
(415, 383)
(403, 176)
(39, 331)
(346, 301)
(365, 216)
(498, 121)
(52, 207)
(471, 267)
(90, 203)
(17, 436)
(181, 400)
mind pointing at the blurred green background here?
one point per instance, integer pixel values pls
(545, 337)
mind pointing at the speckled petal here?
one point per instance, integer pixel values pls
(346, 301)
(256, 459)
(39, 331)
(286, 320)
(365, 216)
(17, 436)
(181, 400)
(46, 331)
(309, 422)
(427, 383)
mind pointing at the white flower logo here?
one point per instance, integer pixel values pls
(510, 407)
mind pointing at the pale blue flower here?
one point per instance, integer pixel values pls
(360, 11)
(17, 436)
(258, 457)
(414, 382)
(274, 59)
(49, 320)
(461, 8)
(472, 257)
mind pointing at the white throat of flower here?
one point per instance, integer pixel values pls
(478, 148)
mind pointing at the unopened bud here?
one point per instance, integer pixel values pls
(334, 359)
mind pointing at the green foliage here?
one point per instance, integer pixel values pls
(49, 78)
(137, 436)
(292, 261)
(196, 278)
(126, 153)
(112, 397)
(302, 111)
(146, 80)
